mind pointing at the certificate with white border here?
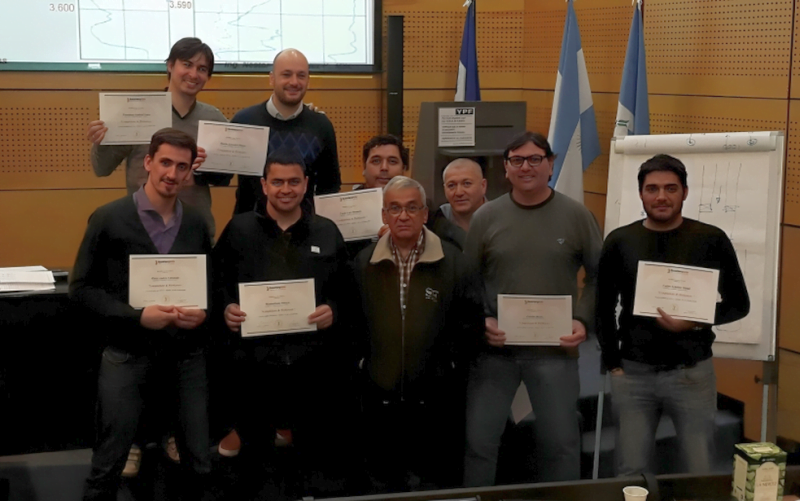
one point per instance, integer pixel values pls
(168, 280)
(357, 214)
(134, 118)
(534, 320)
(278, 307)
(233, 148)
(682, 292)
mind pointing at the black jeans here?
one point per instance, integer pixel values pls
(121, 394)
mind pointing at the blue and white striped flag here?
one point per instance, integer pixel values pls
(633, 110)
(573, 128)
(467, 87)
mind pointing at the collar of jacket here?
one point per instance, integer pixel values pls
(433, 249)
(298, 230)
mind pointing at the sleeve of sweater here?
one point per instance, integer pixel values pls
(105, 159)
(329, 179)
(592, 247)
(606, 299)
(735, 302)
(225, 288)
(89, 276)
(473, 253)
(467, 313)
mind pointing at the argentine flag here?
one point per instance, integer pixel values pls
(633, 111)
(573, 129)
(467, 87)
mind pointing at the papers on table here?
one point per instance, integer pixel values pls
(356, 213)
(683, 292)
(233, 148)
(279, 307)
(168, 280)
(26, 279)
(534, 320)
(134, 118)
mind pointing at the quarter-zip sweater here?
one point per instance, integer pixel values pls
(412, 357)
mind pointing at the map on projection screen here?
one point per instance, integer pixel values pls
(136, 35)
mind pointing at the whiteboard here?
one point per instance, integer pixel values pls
(735, 183)
(245, 35)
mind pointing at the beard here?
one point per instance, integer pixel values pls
(663, 218)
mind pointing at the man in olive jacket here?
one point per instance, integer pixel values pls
(422, 312)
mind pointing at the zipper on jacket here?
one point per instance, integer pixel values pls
(403, 340)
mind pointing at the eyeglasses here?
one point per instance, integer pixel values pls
(533, 160)
(396, 210)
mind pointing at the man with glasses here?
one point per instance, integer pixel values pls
(531, 241)
(421, 313)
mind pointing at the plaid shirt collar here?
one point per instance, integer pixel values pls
(404, 266)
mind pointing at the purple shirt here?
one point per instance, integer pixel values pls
(162, 235)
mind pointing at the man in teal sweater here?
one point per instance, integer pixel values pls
(531, 241)
(189, 66)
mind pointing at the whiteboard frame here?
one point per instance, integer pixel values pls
(765, 348)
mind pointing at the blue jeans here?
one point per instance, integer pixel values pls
(687, 395)
(553, 387)
(121, 393)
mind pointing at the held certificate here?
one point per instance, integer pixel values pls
(534, 320)
(280, 307)
(233, 148)
(168, 280)
(134, 118)
(356, 213)
(684, 292)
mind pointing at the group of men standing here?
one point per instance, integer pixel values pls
(407, 327)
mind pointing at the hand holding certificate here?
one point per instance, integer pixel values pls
(233, 148)
(168, 280)
(357, 214)
(280, 307)
(534, 320)
(134, 118)
(682, 292)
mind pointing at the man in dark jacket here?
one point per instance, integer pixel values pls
(422, 312)
(287, 380)
(159, 344)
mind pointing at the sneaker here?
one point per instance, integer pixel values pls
(283, 438)
(171, 449)
(230, 445)
(133, 463)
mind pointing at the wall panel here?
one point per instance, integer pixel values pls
(789, 395)
(789, 297)
(675, 114)
(736, 48)
(791, 198)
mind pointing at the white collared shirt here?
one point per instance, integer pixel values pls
(274, 113)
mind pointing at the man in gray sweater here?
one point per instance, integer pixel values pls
(189, 66)
(531, 241)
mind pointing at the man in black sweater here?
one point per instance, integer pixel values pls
(292, 126)
(663, 364)
(158, 345)
(292, 379)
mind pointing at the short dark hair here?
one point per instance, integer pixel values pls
(529, 137)
(285, 156)
(661, 163)
(186, 48)
(384, 140)
(173, 137)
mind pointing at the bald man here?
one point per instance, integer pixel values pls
(292, 126)
(465, 189)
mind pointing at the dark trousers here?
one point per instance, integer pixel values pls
(122, 385)
(413, 443)
(313, 397)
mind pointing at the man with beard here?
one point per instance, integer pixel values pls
(663, 364)
(292, 126)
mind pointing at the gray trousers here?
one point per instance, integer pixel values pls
(553, 387)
